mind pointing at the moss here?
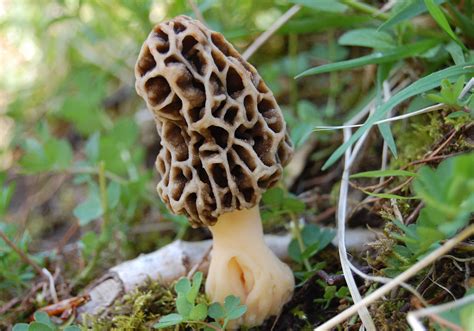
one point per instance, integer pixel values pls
(389, 315)
(417, 138)
(138, 310)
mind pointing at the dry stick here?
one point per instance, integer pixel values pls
(22, 255)
(41, 271)
(270, 31)
(197, 12)
(412, 271)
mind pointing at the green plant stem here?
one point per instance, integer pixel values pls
(95, 171)
(105, 227)
(299, 239)
(365, 8)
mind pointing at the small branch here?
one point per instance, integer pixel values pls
(196, 11)
(21, 254)
(270, 31)
(412, 271)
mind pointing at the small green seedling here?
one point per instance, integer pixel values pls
(42, 322)
(448, 195)
(331, 292)
(191, 312)
(313, 240)
(450, 93)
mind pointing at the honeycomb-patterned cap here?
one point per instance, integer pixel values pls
(223, 137)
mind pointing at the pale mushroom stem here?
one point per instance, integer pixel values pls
(242, 265)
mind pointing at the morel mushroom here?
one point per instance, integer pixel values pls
(223, 143)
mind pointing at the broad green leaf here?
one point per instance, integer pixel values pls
(183, 286)
(322, 5)
(420, 86)
(367, 38)
(378, 57)
(416, 8)
(183, 306)
(168, 320)
(231, 302)
(273, 197)
(37, 326)
(216, 311)
(293, 205)
(42, 317)
(383, 173)
(198, 313)
(439, 17)
(236, 312)
(196, 284)
(20, 327)
(89, 209)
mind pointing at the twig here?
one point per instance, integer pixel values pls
(413, 316)
(197, 12)
(414, 214)
(21, 254)
(270, 31)
(407, 274)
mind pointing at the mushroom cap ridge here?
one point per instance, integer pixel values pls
(223, 137)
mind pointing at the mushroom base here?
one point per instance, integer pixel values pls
(242, 265)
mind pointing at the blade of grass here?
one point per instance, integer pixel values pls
(374, 58)
(383, 72)
(383, 173)
(422, 85)
(442, 21)
(412, 10)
